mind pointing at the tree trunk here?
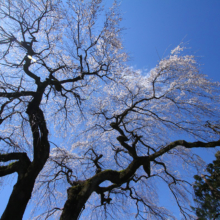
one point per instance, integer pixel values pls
(77, 198)
(19, 198)
(28, 171)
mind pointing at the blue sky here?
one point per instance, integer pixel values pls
(154, 27)
(159, 25)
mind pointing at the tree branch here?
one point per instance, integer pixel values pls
(16, 94)
(185, 144)
(9, 169)
(13, 156)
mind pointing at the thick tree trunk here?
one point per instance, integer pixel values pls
(19, 198)
(22, 190)
(77, 198)
(79, 194)
(28, 171)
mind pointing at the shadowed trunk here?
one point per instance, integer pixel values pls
(27, 170)
(19, 198)
(80, 193)
(77, 198)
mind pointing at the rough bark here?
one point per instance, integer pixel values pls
(28, 171)
(79, 194)
(77, 197)
(19, 198)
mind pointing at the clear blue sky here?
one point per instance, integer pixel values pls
(158, 25)
(154, 26)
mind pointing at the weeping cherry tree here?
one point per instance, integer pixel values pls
(89, 136)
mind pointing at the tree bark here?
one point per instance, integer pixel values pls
(19, 198)
(22, 190)
(79, 194)
(28, 171)
(77, 198)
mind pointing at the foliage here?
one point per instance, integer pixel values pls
(86, 131)
(207, 191)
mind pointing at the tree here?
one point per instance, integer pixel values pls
(84, 130)
(207, 191)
